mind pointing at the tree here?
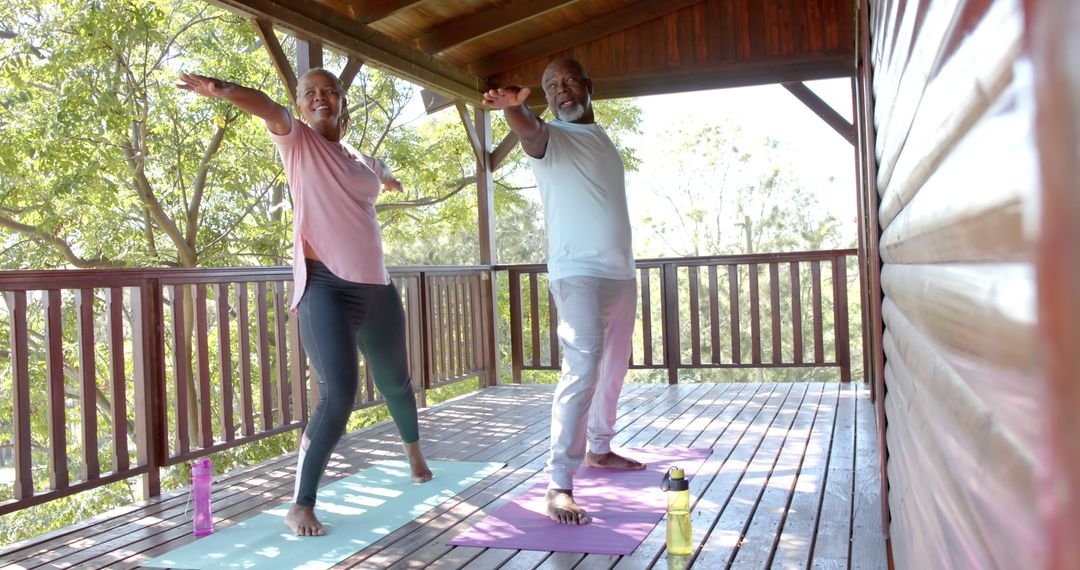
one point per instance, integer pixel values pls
(733, 195)
(723, 179)
(104, 163)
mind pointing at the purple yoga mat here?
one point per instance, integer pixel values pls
(624, 507)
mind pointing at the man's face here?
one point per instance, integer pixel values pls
(568, 91)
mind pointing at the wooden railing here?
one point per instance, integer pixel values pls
(180, 363)
(719, 297)
(171, 364)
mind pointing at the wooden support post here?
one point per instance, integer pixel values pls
(669, 307)
(23, 486)
(840, 317)
(869, 235)
(277, 56)
(822, 109)
(309, 55)
(480, 136)
(348, 73)
(54, 390)
(1051, 34)
(423, 312)
(516, 354)
(151, 429)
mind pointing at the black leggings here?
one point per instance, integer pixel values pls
(337, 317)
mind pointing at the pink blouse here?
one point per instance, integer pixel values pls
(334, 190)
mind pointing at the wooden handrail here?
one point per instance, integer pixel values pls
(704, 284)
(186, 407)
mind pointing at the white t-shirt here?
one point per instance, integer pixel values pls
(583, 189)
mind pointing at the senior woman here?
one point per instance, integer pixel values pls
(342, 291)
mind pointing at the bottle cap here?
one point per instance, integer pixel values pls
(675, 480)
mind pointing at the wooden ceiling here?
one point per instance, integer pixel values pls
(460, 48)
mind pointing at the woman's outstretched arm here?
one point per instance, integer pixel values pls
(250, 101)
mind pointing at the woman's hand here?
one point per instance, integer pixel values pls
(250, 101)
(205, 86)
(504, 97)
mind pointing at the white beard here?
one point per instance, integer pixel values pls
(572, 114)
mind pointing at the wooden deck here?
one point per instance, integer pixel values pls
(792, 482)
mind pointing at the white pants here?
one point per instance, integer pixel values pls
(596, 325)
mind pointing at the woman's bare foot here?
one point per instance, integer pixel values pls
(417, 464)
(303, 522)
(562, 508)
(612, 460)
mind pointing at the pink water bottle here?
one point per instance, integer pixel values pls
(201, 475)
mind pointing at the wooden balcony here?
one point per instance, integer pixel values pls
(140, 371)
(792, 482)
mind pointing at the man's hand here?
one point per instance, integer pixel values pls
(505, 97)
(205, 86)
(393, 184)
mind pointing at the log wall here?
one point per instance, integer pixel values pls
(957, 188)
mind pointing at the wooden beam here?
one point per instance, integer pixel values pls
(348, 73)
(1051, 35)
(309, 55)
(822, 109)
(591, 29)
(434, 102)
(470, 131)
(277, 56)
(870, 239)
(503, 150)
(368, 11)
(491, 20)
(351, 38)
(717, 76)
(485, 185)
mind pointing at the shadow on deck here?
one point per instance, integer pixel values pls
(792, 482)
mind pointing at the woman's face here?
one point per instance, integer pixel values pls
(320, 103)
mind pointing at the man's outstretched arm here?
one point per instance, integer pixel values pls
(533, 131)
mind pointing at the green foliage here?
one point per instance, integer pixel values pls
(105, 162)
(719, 192)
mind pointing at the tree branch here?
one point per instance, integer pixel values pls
(199, 184)
(63, 246)
(145, 191)
(458, 186)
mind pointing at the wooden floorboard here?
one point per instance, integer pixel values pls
(792, 483)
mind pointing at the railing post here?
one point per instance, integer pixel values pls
(489, 289)
(516, 354)
(489, 335)
(669, 305)
(422, 311)
(23, 486)
(149, 368)
(840, 317)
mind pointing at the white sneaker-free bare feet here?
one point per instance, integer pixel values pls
(612, 460)
(303, 522)
(418, 466)
(562, 508)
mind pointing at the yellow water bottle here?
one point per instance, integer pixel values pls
(680, 536)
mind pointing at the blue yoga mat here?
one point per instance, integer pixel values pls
(356, 512)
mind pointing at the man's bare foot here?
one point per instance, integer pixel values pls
(417, 464)
(562, 508)
(612, 460)
(303, 522)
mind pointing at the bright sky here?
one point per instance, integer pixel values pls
(818, 156)
(811, 150)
